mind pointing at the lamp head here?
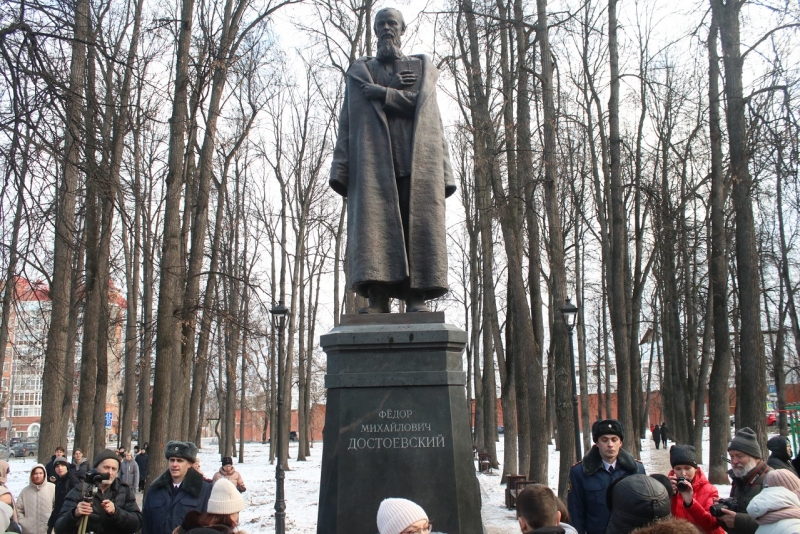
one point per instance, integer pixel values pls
(570, 314)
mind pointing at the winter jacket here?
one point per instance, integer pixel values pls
(657, 434)
(771, 500)
(588, 482)
(233, 476)
(702, 499)
(127, 518)
(664, 432)
(141, 461)
(743, 490)
(129, 473)
(50, 469)
(164, 511)
(63, 486)
(34, 505)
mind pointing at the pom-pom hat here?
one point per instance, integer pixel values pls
(395, 515)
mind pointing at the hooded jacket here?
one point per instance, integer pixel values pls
(588, 483)
(163, 510)
(779, 457)
(702, 498)
(35, 503)
(63, 486)
(770, 500)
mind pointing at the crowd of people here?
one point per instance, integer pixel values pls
(78, 497)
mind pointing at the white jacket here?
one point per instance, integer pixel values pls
(35, 504)
(771, 500)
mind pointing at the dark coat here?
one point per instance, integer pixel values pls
(126, 520)
(656, 433)
(363, 171)
(743, 490)
(82, 468)
(50, 470)
(588, 483)
(778, 463)
(63, 486)
(141, 461)
(664, 432)
(163, 512)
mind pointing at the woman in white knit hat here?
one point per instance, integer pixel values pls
(224, 506)
(401, 516)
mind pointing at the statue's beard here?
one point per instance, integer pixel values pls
(389, 49)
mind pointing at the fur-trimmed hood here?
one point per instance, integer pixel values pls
(192, 482)
(593, 462)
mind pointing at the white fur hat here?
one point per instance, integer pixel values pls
(395, 515)
(225, 498)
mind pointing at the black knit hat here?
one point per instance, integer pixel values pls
(777, 443)
(606, 426)
(227, 460)
(682, 455)
(106, 454)
(181, 449)
(746, 441)
(60, 460)
(637, 501)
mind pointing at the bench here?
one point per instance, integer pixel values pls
(484, 462)
(515, 484)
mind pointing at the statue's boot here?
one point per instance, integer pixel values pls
(378, 301)
(415, 302)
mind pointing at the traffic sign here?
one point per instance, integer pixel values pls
(109, 417)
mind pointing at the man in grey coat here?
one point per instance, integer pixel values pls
(391, 161)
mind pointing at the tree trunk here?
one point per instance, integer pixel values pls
(751, 342)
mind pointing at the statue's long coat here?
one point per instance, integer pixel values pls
(363, 172)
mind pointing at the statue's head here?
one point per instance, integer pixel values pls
(389, 28)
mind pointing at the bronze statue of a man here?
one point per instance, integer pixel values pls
(392, 163)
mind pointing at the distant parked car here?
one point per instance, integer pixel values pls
(292, 436)
(135, 435)
(24, 449)
(772, 419)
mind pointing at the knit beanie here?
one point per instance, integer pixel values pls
(395, 515)
(60, 460)
(783, 478)
(682, 455)
(746, 441)
(227, 461)
(607, 426)
(225, 499)
(106, 454)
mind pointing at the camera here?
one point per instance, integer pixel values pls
(723, 504)
(683, 484)
(92, 478)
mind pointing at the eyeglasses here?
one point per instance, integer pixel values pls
(424, 530)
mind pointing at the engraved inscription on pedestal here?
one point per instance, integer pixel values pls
(413, 435)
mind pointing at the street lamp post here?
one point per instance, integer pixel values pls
(570, 314)
(119, 416)
(278, 322)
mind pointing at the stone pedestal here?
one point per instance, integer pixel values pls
(397, 424)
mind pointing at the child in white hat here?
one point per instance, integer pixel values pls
(224, 505)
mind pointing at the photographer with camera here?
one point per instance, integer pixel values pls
(747, 478)
(101, 503)
(693, 493)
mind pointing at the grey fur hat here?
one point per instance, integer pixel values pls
(181, 449)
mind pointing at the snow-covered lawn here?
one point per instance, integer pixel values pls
(302, 486)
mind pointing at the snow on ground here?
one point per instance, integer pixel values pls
(303, 478)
